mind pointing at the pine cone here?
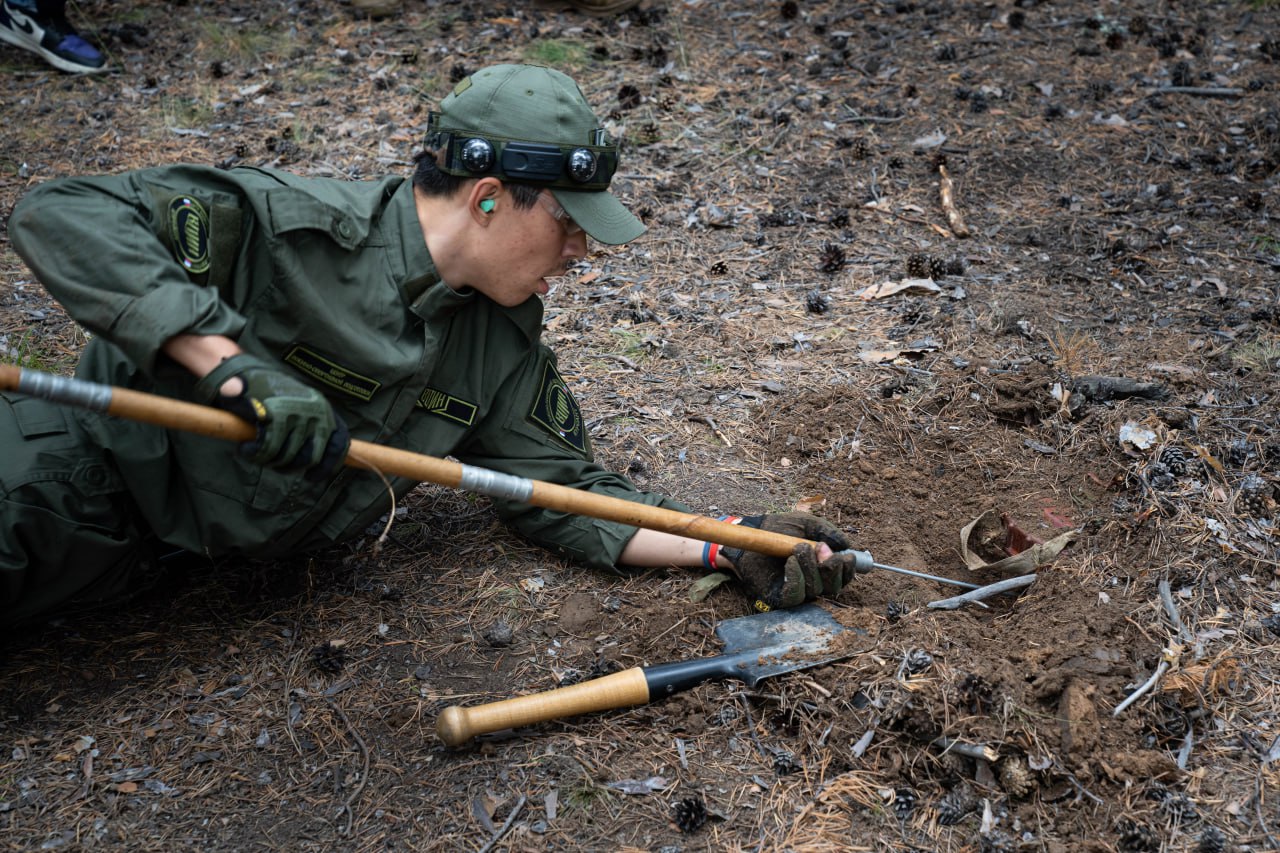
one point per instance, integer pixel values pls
(329, 657)
(785, 763)
(1174, 459)
(904, 803)
(1159, 477)
(832, 258)
(918, 660)
(893, 611)
(916, 723)
(1255, 498)
(1212, 840)
(860, 148)
(976, 693)
(1179, 807)
(998, 842)
(1136, 837)
(918, 265)
(955, 266)
(1015, 777)
(1239, 452)
(817, 302)
(955, 804)
(689, 814)
(937, 268)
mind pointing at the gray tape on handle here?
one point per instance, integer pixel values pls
(495, 484)
(60, 389)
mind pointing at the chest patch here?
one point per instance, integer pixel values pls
(331, 374)
(555, 410)
(189, 233)
(447, 406)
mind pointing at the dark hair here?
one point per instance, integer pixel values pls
(428, 178)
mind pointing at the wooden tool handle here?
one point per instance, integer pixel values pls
(457, 724)
(215, 423)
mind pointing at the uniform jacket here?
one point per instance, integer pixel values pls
(328, 279)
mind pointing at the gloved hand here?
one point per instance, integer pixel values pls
(298, 430)
(775, 582)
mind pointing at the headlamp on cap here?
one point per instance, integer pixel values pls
(571, 167)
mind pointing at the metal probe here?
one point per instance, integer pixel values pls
(863, 561)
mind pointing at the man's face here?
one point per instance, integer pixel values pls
(524, 247)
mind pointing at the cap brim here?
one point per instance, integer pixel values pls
(600, 215)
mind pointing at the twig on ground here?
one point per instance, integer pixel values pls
(710, 421)
(1203, 91)
(364, 770)
(506, 825)
(1171, 610)
(621, 359)
(1167, 659)
(968, 750)
(947, 190)
(751, 725)
(976, 595)
(1184, 754)
(1171, 652)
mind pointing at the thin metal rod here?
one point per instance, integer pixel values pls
(901, 571)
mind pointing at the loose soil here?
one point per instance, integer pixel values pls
(1098, 358)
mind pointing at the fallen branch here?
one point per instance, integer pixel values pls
(968, 750)
(947, 190)
(1203, 91)
(1167, 659)
(506, 826)
(364, 770)
(976, 595)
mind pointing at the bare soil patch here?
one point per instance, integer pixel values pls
(1099, 355)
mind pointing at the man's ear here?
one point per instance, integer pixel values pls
(483, 199)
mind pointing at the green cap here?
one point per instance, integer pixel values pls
(539, 129)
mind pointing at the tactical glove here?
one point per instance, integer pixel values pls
(298, 430)
(775, 582)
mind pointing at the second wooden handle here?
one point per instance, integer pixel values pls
(457, 724)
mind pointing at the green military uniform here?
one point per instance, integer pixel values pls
(329, 279)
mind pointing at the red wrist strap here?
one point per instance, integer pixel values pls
(711, 550)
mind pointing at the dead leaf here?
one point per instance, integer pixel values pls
(983, 532)
(892, 288)
(1034, 557)
(810, 503)
(707, 584)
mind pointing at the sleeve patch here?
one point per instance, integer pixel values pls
(189, 233)
(555, 410)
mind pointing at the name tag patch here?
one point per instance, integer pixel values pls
(331, 374)
(447, 406)
(555, 410)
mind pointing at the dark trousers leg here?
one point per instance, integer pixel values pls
(69, 538)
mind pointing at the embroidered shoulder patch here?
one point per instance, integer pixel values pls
(555, 409)
(189, 233)
(331, 374)
(447, 406)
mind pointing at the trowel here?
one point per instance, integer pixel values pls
(756, 647)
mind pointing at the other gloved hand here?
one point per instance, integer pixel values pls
(775, 582)
(298, 430)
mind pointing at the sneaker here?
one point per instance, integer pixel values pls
(50, 36)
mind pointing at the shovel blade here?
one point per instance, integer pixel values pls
(768, 644)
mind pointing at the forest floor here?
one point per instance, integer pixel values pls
(1088, 355)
